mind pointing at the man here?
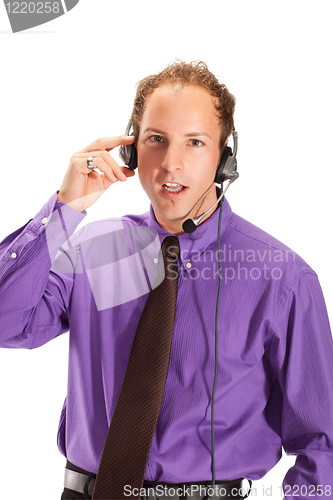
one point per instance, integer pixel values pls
(272, 384)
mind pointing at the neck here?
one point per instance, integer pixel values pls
(175, 226)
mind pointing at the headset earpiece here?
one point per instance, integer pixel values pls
(227, 169)
(219, 177)
(129, 153)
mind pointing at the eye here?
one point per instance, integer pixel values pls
(195, 142)
(156, 138)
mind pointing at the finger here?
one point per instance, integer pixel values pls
(114, 173)
(109, 160)
(128, 172)
(108, 143)
(124, 140)
(102, 167)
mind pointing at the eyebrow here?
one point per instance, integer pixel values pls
(198, 134)
(190, 134)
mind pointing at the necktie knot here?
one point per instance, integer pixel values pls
(171, 251)
(170, 247)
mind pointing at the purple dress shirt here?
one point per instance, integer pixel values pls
(275, 349)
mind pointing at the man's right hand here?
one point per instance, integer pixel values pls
(82, 186)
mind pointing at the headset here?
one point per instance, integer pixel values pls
(226, 171)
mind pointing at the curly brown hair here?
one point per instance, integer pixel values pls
(193, 73)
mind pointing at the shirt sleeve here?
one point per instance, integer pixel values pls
(306, 379)
(34, 298)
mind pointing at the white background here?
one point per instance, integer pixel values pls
(68, 82)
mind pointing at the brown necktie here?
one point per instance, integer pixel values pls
(126, 449)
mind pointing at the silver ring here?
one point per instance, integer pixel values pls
(90, 163)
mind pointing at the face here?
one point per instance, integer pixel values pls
(178, 153)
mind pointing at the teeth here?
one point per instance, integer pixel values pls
(172, 187)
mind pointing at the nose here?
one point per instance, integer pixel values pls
(173, 158)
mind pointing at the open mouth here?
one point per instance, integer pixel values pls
(173, 187)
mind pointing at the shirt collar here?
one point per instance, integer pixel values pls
(206, 233)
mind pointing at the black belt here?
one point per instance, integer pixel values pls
(83, 482)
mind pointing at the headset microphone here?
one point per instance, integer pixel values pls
(227, 170)
(190, 225)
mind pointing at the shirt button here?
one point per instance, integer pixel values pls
(14, 255)
(188, 265)
(155, 261)
(44, 221)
